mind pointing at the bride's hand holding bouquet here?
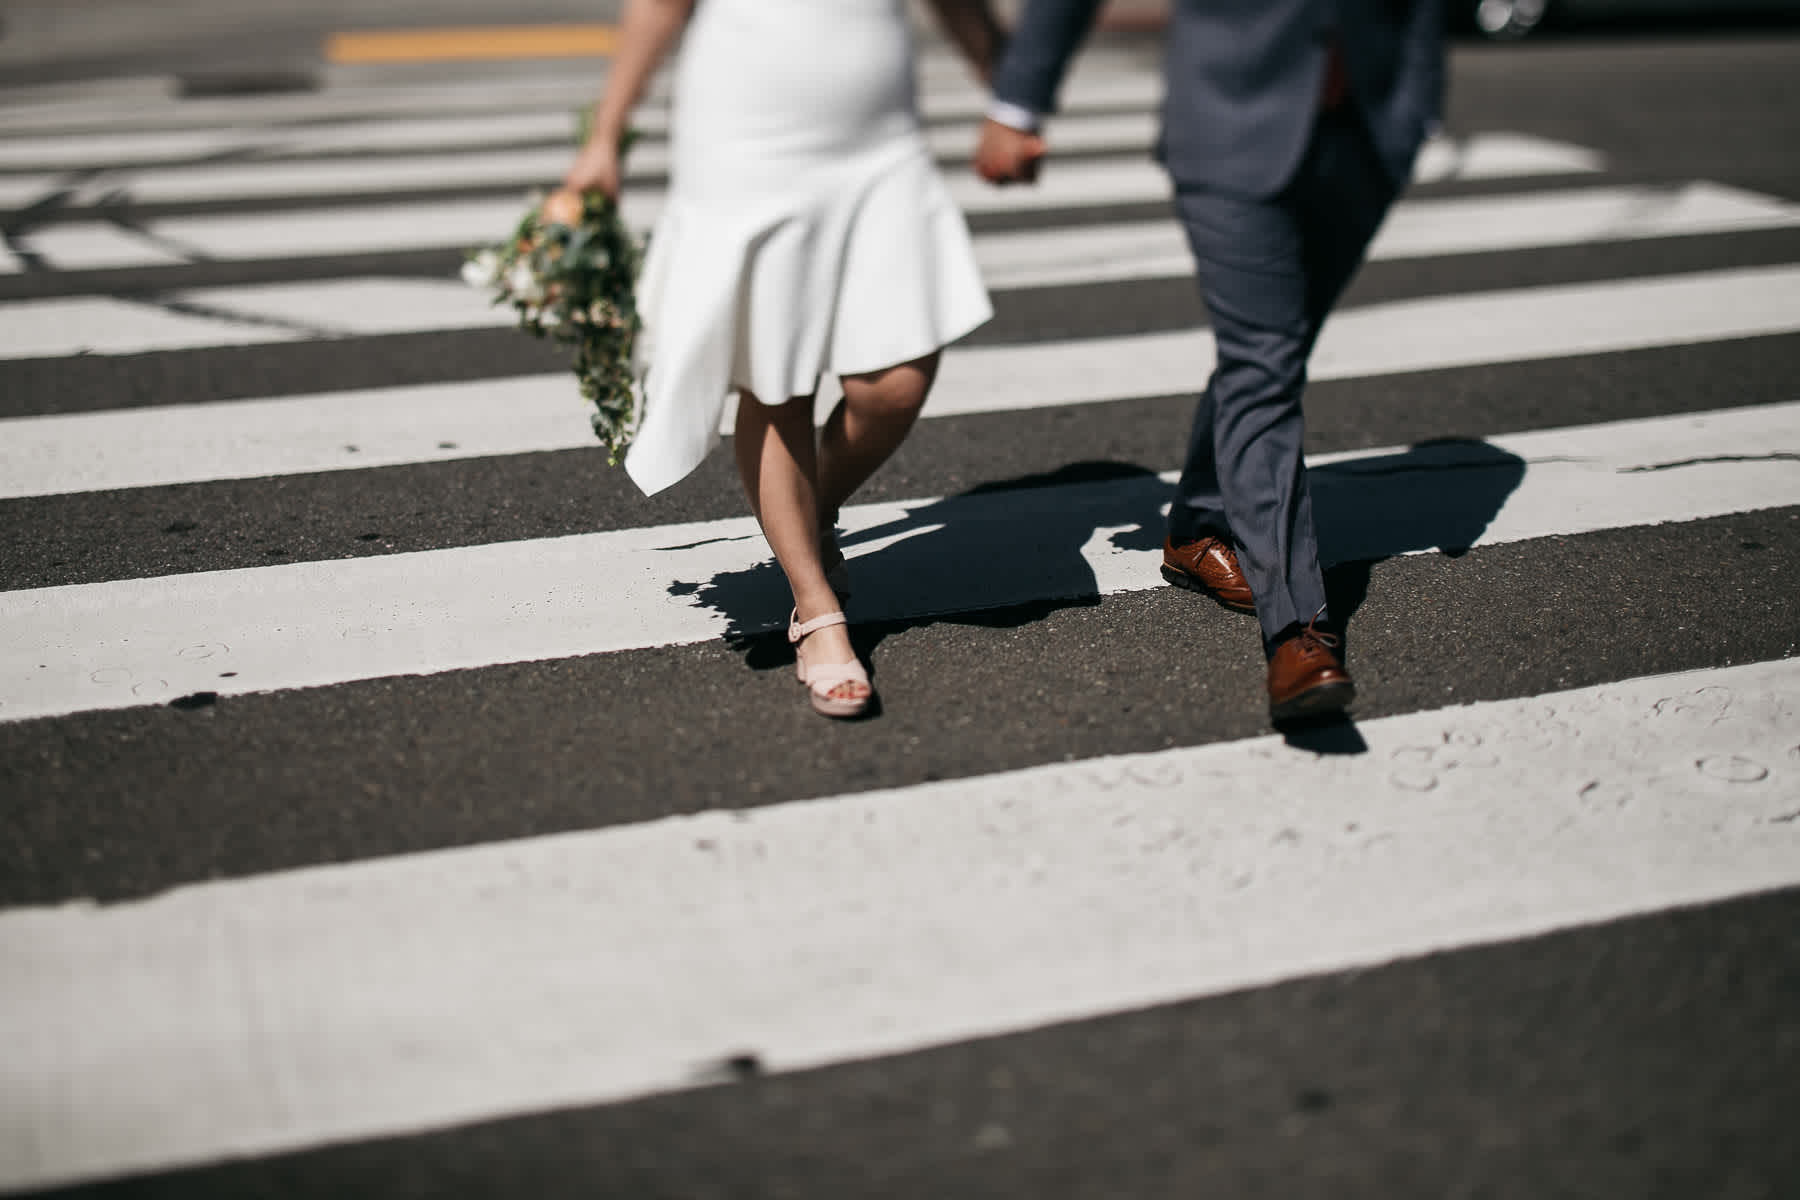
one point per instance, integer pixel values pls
(569, 271)
(596, 167)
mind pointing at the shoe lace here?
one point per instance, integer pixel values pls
(1312, 633)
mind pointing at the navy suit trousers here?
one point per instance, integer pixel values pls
(1270, 270)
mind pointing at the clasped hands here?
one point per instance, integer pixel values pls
(1006, 155)
(1003, 155)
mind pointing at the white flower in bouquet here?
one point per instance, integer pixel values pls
(523, 283)
(482, 270)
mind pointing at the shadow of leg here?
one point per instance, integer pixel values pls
(1346, 587)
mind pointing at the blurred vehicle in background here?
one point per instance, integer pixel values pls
(1506, 20)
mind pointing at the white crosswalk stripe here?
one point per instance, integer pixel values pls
(1487, 157)
(357, 997)
(364, 429)
(1245, 880)
(147, 641)
(148, 103)
(1032, 258)
(1415, 229)
(242, 316)
(372, 228)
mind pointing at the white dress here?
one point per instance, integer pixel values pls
(806, 229)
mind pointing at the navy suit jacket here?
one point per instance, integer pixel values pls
(1243, 79)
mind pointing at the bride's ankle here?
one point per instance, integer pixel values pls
(811, 607)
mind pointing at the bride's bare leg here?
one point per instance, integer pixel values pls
(778, 465)
(877, 412)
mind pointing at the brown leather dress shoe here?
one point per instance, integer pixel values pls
(1210, 567)
(1307, 678)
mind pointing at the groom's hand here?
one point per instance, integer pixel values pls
(1007, 155)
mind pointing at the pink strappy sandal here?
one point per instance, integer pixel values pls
(821, 679)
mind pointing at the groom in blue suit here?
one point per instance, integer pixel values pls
(1288, 129)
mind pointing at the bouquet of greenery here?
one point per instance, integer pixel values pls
(569, 270)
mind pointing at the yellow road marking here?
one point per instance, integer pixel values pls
(493, 42)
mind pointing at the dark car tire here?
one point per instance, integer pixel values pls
(1502, 20)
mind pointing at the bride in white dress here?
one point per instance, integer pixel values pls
(806, 232)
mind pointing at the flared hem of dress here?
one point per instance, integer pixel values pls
(871, 270)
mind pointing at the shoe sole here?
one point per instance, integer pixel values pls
(841, 710)
(1323, 700)
(1186, 582)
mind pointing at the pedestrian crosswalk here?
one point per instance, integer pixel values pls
(326, 835)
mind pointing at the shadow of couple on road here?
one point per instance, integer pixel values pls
(1009, 553)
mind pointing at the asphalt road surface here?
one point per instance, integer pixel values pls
(399, 804)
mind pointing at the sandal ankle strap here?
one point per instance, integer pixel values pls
(798, 629)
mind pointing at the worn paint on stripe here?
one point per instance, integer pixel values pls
(471, 44)
(398, 995)
(48, 455)
(146, 641)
